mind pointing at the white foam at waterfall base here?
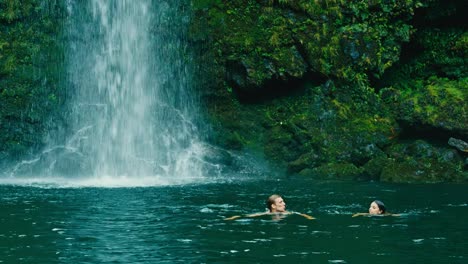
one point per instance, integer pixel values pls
(105, 181)
(179, 174)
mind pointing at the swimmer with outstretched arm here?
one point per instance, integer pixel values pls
(376, 208)
(276, 206)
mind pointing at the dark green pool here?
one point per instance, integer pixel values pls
(184, 224)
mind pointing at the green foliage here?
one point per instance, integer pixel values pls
(340, 39)
(28, 77)
(419, 73)
(342, 171)
(310, 130)
(439, 103)
(438, 53)
(204, 4)
(420, 161)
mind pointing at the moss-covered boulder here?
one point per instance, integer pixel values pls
(342, 171)
(439, 103)
(314, 129)
(260, 41)
(313, 85)
(420, 162)
(373, 168)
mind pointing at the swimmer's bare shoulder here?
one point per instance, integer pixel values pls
(269, 213)
(367, 214)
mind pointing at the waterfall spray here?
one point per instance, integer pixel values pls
(131, 110)
(137, 80)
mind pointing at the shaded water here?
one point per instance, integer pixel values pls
(175, 224)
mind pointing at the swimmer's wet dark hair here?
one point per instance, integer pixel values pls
(381, 206)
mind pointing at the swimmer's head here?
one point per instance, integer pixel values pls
(276, 204)
(377, 207)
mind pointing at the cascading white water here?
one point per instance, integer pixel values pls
(130, 66)
(131, 112)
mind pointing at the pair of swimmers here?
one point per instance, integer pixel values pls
(277, 207)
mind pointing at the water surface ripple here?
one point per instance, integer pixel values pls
(184, 223)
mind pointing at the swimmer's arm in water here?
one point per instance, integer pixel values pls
(257, 214)
(305, 215)
(249, 215)
(392, 214)
(233, 217)
(360, 214)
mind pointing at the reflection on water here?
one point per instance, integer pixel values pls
(185, 224)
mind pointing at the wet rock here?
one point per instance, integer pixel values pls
(449, 155)
(420, 161)
(342, 171)
(441, 104)
(422, 171)
(421, 148)
(237, 73)
(70, 164)
(373, 168)
(459, 144)
(362, 155)
(307, 160)
(57, 161)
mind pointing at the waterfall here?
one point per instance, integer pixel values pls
(131, 110)
(131, 72)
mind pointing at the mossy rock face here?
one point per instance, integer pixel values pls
(441, 103)
(362, 155)
(283, 147)
(380, 71)
(260, 41)
(373, 168)
(30, 65)
(422, 171)
(421, 162)
(304, 161)
(428, 89)
(309, 130)
(342, 171)
(433, 52)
